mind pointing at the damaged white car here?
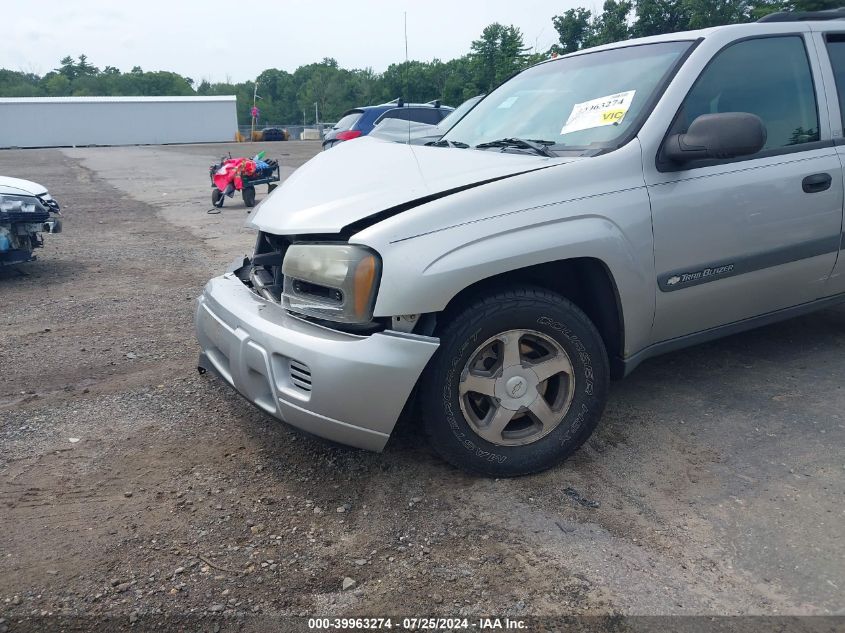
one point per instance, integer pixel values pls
(26, 211)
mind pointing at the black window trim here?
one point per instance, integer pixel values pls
(826, 37)
(664, 166)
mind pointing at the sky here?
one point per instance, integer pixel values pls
(220, 41)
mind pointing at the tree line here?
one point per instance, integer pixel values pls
(499, 52)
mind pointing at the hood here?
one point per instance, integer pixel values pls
(364, 177)
(19, 187)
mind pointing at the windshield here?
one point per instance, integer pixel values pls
(458, 113)
(582, 102)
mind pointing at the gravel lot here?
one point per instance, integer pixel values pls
(131, 486)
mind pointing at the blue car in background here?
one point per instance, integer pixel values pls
(361, 121)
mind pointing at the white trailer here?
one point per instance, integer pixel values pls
(80, 121)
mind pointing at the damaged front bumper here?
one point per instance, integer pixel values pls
(343, 387)
(20, 237)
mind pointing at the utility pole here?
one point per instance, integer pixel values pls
(316, 115)
(253, 111)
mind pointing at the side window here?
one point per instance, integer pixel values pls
(836, 52)
(396, 113)
(405, 114)
(422, 115)
(426, 115)
(769, 77)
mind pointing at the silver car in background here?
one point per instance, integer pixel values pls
(593, 211)
(416, 133)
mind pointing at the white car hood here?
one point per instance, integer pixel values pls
(16, 186)
(360, 178)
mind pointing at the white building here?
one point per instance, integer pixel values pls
(75, 121)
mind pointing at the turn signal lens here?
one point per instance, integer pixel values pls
(365, 277)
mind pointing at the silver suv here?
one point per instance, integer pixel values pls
(594, 211)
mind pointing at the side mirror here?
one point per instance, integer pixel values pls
(722, 135)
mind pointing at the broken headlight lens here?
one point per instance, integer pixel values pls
(335, 282)
(20, 204)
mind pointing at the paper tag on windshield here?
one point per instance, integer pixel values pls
(598, 112)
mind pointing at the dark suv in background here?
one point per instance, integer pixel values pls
(361, 121)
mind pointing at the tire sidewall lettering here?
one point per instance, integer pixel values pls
(583, 356)
(451, 418)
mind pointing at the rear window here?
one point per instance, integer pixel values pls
(431, 116)
(348, 121)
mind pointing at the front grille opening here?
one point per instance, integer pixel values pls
(300, 375)
(315, 290)
(264, 272)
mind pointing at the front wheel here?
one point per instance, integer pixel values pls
(249, 196)
(518, 384)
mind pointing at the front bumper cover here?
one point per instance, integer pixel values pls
(346, 388)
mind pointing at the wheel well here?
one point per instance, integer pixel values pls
(585, 281)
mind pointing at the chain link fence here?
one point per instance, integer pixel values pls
(295, 132)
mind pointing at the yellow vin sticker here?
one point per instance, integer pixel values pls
(607, 110)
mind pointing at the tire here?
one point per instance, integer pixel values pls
(544, 326)
(249, 196)
(216, 197)
(271, 187)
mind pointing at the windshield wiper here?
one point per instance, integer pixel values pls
(445, 143)
(539, 147)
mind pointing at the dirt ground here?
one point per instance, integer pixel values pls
(132, 486)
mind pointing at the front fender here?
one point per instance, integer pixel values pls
(595, 207)
(425, 273)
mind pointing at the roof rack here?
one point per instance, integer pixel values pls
(805, 16)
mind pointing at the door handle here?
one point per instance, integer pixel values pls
(816, 183)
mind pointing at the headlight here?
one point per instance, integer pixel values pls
(20, 204)
(336, 282)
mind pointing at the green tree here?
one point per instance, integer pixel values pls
(56, 85)
(612, 24)
(84, 69)
(578, 28)
(654, 17)
(496, 55)
(459, 83)
(413, 81)
(764, 7)
(706, 13)
(574, 29)
(67, 67)
(18, 84)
